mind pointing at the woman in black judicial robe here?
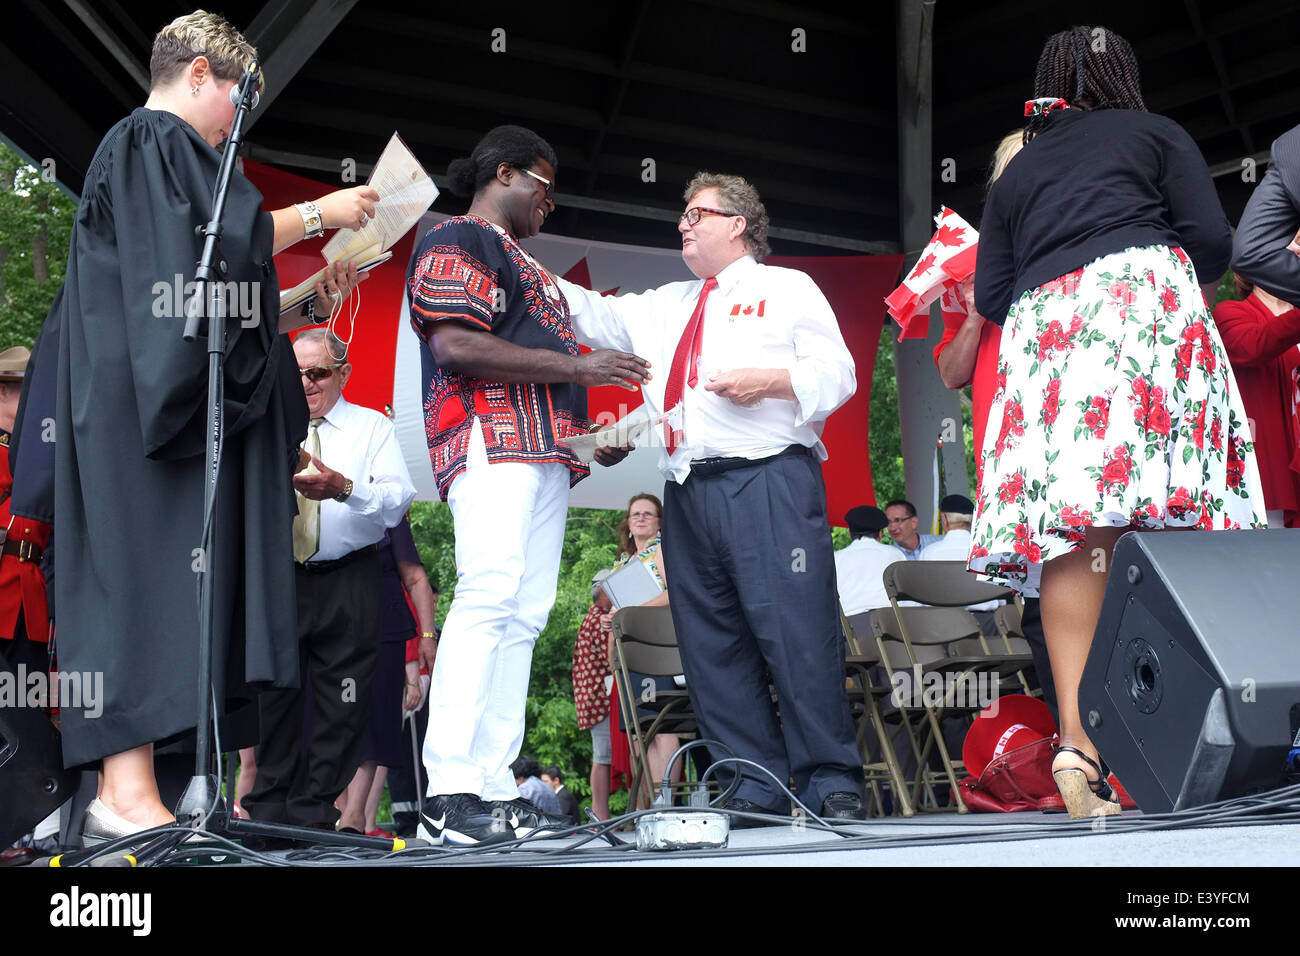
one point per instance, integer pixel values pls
(131, 419)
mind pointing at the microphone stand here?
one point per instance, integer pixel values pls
(200, 796)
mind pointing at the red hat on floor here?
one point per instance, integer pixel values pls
(1009, 723)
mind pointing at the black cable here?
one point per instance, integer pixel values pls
(665, 785)
(1276, 807)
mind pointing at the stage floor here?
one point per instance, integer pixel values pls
(1005, 839)
(936, 839)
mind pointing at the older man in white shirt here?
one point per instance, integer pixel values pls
(750, 361)
(860, 568)
(956, 512)
(356, 486)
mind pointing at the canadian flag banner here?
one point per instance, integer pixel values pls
(947, 260)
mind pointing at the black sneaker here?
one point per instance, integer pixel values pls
(525, 818)
(462, 819)
(843, 805)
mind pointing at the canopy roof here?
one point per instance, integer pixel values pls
(691, 84)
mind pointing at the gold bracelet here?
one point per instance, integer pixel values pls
(428, 634)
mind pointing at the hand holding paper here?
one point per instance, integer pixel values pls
(381, 212)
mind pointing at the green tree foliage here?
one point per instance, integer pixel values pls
(35, 230)
(884, 437)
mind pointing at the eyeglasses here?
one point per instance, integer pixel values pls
(694, 214)
(642, 514)
(901, 520)
(318, 373)
(550, 186)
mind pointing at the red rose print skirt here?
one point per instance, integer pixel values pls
(1114, 406)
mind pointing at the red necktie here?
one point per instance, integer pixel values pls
(686, 360)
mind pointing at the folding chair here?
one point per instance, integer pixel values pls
(949, 584)
(645, 643)
(913, 644)
(880, 763)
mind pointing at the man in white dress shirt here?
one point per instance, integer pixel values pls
(356, 487)
(752, 360)
(860, 568)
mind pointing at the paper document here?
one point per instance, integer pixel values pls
(623, 432)
(405, 193)
(305, 289)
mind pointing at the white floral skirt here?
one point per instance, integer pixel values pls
(1114, 406)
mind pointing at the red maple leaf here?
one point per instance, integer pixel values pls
(950, 235)
(924, 265)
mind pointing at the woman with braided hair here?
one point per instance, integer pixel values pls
(1114, 405)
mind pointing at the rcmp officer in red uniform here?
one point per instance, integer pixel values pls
(24, 616)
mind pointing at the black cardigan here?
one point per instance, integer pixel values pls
(1092, 183)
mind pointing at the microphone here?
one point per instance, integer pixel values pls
(247, 82)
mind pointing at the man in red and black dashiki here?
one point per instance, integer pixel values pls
(504, 387)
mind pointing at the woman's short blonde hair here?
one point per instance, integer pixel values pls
(195, 34)
(1011, 144)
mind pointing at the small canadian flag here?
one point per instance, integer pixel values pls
(947, 259)
(741, 308)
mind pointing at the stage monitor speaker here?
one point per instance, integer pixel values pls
(1192, 687)
(33, 783)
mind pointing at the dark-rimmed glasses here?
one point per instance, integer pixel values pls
(318, 373)
(550, 186)
(694, 214)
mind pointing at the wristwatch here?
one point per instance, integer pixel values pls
(312, 221)
(346, 493)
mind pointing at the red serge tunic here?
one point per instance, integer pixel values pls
(1262, 350)
(22, 583)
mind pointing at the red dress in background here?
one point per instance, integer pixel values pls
(1262, 349)
(984, 377)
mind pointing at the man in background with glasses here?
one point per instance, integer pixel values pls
(903, 529)
(750, 361)
(353, 486)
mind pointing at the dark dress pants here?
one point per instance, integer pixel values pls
(338, 634)
(752, 585)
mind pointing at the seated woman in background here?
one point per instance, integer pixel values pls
(1260, 334)
(639, 540)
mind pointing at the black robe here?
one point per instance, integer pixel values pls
(129, 408)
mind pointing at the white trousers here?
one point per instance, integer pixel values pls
(509, 520)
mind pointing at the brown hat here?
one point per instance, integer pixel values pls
(13, 363)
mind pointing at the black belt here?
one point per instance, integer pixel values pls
(25, 550)
(716, 466)
(322, 567)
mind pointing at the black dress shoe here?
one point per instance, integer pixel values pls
(843, 806)
(737, 805)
